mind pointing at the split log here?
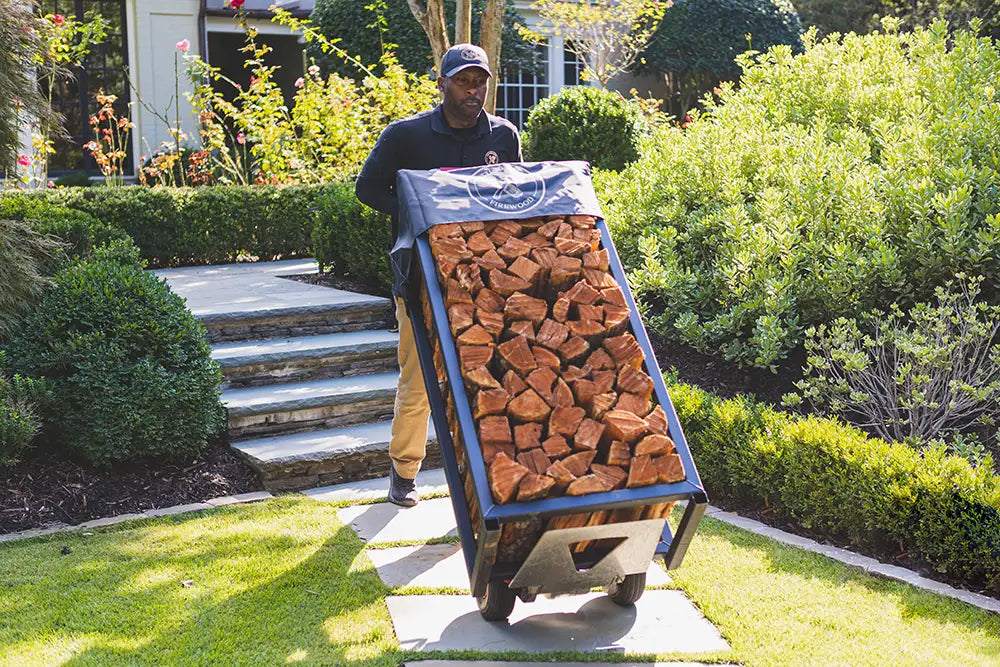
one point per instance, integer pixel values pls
(544, 257)
(527, 436)
(599, 360)
(470, 277)
(513, 384)
(584, 391)
(565, 272)
(561, 474)
(490, 402)
(549, 229)
(536, 240)
(571, 247)
(472, 227)
(588, 435)
(534, 487)
(596, 260)
(545, 358)
(565, 231)
(656, 421)
(581, 221)
(587, 484)
(495, 430)
(525, 269)
(543, 381)
(520, 306)
(560, 309)
(491, 450)
(522, 328)
(613, 476)
(581, 292)
(654, 445)
(528, 406)
(600, 404)
(625, 350)
(516, 354)
(616, 319)
(634, 381)
(565, 421)
(446, 268)
(513, 248)
(443, 231)
(489, 301)
(474, 356)
(619, 454)
(456, 294)
(589, 312)
(624, 426)
(451, 249)
(491, 322)
(475, 335)
(575, 373)
(556, 447)
(562, 397)
(591, 331)
(505, 284)
(479, 243)
(603, 380)
(552, 334)
(534, 460)
(490, 261)
(481, 377)
(614, 296)
(634, 403)
(579, 463)
(642, 472)
(599, 280)
(503, 231)
(573, 349)
(505, 475)
(460, 317)
(669, 469)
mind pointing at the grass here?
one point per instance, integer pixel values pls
(284, 582)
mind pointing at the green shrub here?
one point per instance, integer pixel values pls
(858, 174)
(185, 226)
(129, 366)
(840, 484)
(585, 123)
(352, 239)
(24, 256)
(20, 399)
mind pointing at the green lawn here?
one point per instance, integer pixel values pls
(284, 582)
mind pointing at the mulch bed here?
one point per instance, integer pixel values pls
(44, 489)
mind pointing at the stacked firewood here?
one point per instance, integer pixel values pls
(553, 373)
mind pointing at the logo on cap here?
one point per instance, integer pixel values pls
(470, 54)
(506, 188)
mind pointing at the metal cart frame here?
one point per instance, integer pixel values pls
(480, 553)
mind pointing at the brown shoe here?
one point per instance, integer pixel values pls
(402, 491)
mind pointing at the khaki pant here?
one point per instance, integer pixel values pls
(410, 414)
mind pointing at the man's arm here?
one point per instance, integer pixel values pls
(376, 184)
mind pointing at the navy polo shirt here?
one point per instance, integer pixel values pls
(426, 141)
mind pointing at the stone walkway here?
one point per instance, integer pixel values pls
(662, 621)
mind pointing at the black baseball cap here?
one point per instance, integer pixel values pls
(464, 56)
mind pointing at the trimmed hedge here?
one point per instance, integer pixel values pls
(351, 239)
(839, 483)
(217, 225)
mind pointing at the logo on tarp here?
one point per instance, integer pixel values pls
(506, 188)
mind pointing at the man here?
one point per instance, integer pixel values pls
(456, 133)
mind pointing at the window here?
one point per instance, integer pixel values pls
(572, 69)
(103, 68)
(519, 91)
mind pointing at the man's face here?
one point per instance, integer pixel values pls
(465, 93)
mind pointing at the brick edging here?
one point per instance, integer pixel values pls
(865, 563)
(211, 503)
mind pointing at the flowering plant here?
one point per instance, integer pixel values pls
(108, 147)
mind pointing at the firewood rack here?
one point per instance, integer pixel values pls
(550, 568)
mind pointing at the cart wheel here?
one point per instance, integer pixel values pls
(627, 592)
(498, 602)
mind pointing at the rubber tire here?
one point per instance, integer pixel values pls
(628, 592)
(498, 603)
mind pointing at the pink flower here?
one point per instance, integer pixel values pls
(241, 139)
(50, 184)
(299, 82)
(253, 80)
(314, 69)
(58, 19)
(23, 160)
(235, 4)
(184, 46)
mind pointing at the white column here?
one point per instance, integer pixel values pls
(557, 72)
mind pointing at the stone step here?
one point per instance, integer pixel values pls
(362, 314)
(331, 456)
(270, 361)
(309, 405)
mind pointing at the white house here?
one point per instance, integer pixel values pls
(137, 62)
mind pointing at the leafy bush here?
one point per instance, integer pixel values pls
(858, 174)
(19, 422)
(917, 376)
(183, 226)
(585, 123)
(352, 239)
(694, 61)
(840, 484)
(24, 255)
(355, 24)
(129, 366)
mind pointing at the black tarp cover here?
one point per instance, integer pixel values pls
(506, 191)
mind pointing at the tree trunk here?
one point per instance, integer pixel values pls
(463, 21)
(490, 32)
(430, 16)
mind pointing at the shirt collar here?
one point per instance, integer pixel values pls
(441, 126)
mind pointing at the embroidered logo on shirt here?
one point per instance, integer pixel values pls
(506, 188)
(492, 157)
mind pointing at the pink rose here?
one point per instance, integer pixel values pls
(23, 160)
(183, 46)
(236, 4)
(299, 82)
(58, 19)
